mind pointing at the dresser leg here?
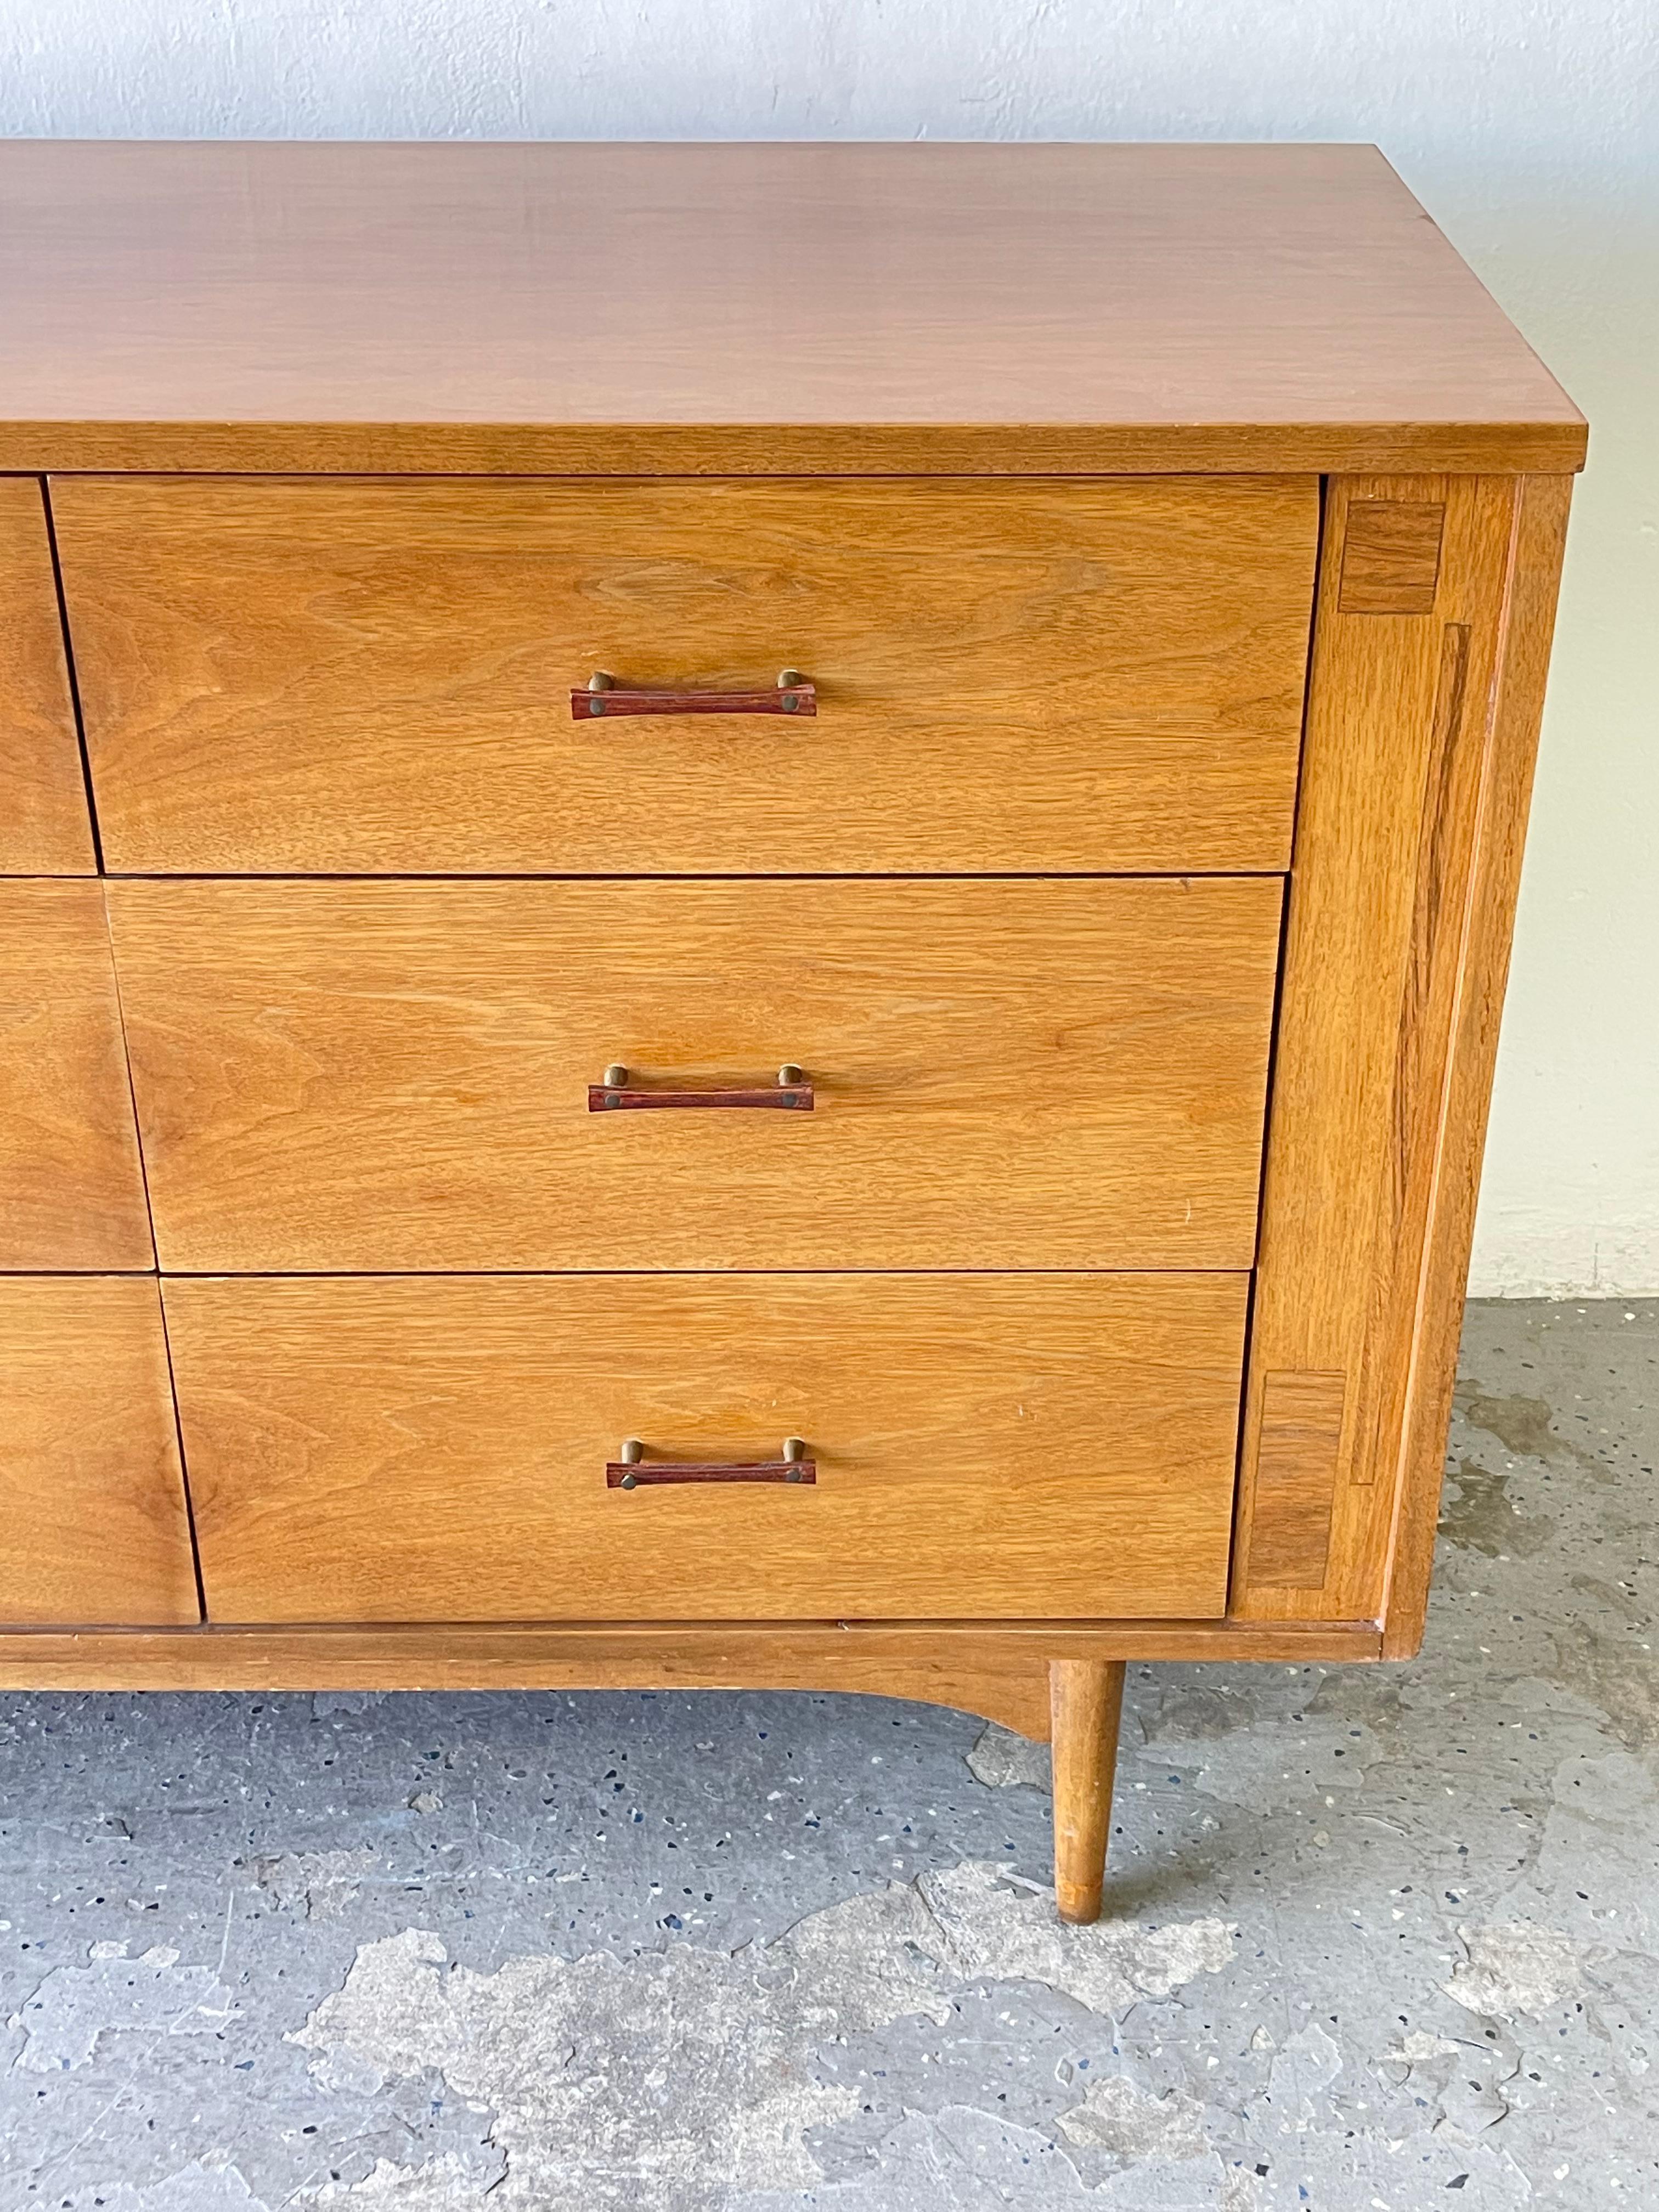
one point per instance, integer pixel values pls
(1086, 1697)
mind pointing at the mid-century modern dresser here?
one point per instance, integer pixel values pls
(755, 903)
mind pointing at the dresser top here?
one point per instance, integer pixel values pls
(747, 308)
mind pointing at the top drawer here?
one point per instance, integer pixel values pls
(357, 676)
(44, 829)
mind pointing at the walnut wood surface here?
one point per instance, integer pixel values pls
(373, 678)
(1005, 1073)
(46, 828)
(93, 1500)
(771, 308)
(1087, 1705)
(983, 1667)
(1390, 556)
(71, 1190)
(1414, 780)
(1475, 946)
(398, 1449)
(1298, 1454)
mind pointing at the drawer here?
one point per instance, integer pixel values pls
(1004, 1073)
(365, 677)
(71, 1190)
(91, 1496)
(46, 828)
(401, 1449)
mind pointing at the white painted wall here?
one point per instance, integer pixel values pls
(1530, 128)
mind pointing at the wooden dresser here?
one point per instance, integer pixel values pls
(755, 902)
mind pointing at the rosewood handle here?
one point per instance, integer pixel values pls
(631, 1471)
(791, 1090)
(604, 698)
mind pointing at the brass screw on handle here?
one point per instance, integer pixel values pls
(789, 1075)
(597, 683)
(633, 1452)
(615, 1076)
(787, 679)
(793, 1448)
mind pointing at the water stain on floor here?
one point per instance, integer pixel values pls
(1526, 1427)
(1479, 1514)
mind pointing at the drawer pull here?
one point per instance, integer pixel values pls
(606, 698)
(792, 1090)
(631, 1471)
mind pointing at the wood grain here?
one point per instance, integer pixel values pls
(681, 309)
(1447, 1178)
(400, 1449)
(45, 827)
(1391, 556)
(71, 1190)
(1374, 1148)
(1298, 1451)
(372, 677)
(1086, 1705)
(374, 1076)
(983, 1667)
(93, 1502)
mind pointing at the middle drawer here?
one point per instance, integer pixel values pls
(1004, 1073)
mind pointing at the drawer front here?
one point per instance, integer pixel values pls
(46, 828)
(400, 1449)
(71, 1190)
(387, 1076)
(357, 676)
(91, 1496)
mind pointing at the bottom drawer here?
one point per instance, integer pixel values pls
(411, 1449)
(93, 1527)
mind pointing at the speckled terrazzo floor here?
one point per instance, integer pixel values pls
(1380, 1938)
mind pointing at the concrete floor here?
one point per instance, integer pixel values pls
(1382, 1937)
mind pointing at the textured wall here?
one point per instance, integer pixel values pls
(1530, 128)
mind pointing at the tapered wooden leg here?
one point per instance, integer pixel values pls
(1087, 1699)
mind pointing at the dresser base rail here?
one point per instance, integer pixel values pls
(997, 1669)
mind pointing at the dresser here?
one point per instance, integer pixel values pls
(754, 906)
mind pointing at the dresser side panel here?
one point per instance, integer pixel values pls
(1515, 715)
(1407, 797)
